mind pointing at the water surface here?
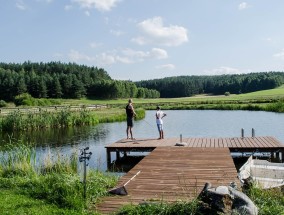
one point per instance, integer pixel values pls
(189, 123)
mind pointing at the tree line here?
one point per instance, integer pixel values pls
(185, 86)
(61, 80)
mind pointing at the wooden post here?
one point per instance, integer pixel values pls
(108, 157)
(242, 133)
(278, 156)
(252, 132)
(117, 155)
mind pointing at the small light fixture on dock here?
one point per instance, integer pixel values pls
(83, 158)
(180, 142)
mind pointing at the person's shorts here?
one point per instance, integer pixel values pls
(130, 121)
(160, 127)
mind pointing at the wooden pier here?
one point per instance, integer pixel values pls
(235, 144)
(171, 173)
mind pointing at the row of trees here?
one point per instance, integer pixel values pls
(60, 80)
(184, 86)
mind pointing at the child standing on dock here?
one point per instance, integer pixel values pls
(159, 116)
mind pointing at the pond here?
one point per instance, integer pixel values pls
(189, 123)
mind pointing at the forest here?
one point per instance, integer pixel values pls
(70, 80)
(61, 80)
(185, 86)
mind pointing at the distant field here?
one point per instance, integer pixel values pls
(277, 93)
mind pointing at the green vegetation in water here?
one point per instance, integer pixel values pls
(49, 187)
(63, 118)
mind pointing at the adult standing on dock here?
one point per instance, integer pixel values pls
(159, 116)
(130, 113)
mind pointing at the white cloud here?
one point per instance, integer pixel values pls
(243, 6)
(21, 5)
(138, 56)
(166, 67)
(77, 56)
(116, 33)
(154, 32)
(159, 53)
(106, 59)
(101, 5)
(280, 55)
(87, 13)
(126, 56)
(68, 7)
(223, 70)
(95, 45)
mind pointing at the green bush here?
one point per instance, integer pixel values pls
(24, 99)
(3, 103)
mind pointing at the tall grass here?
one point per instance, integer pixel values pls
(269, 202)
(54, 180)
(63, 118)
(163, 208)
(276, 107)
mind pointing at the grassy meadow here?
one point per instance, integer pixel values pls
(261, 96)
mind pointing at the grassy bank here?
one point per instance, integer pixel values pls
(64, 118)
(49, 187)
(268, 202)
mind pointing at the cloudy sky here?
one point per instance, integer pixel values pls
(146, 39)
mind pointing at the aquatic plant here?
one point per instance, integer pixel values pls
(63, 118)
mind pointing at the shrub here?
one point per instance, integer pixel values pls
(3, 103)
(24, 99)
(227, 93)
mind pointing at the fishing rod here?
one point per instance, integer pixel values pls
(148, 123)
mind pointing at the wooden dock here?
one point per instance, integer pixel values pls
(171, 173)
(235, 144)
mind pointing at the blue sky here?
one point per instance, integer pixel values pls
(146, 39)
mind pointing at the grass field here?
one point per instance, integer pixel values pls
(274, 94)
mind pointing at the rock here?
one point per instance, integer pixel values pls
(227, 200)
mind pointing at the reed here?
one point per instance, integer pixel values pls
(17, 121)
(276, 107)
(55, 181)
